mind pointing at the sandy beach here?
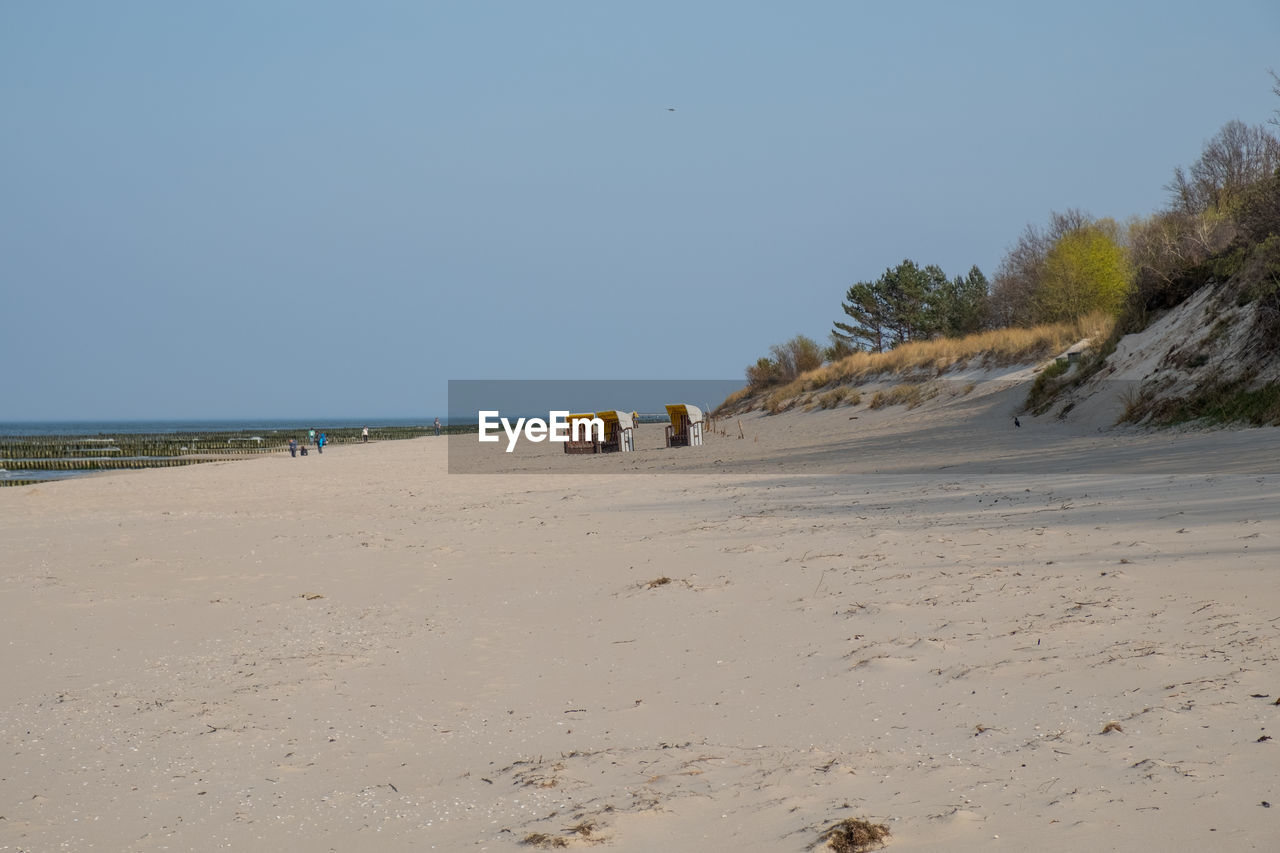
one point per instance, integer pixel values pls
(1046, 638)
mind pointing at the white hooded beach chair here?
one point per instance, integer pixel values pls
(685, 429)
(619, 431)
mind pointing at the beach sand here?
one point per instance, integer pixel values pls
(1047, 638)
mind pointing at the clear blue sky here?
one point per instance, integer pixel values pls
(311, 208)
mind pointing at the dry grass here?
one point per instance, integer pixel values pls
(854, 835)
(546, 842)
(908, 394)
(836, 396)
(928, 359)
(584, 830)
(736, 397)
(660, 582)
(1135, 404)
(781, 400)
(996, 348)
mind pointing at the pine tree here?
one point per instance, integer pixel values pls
(865, 307)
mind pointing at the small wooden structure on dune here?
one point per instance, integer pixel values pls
(685, 429)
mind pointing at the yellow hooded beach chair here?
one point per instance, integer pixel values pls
(685, 429)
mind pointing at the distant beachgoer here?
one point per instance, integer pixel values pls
(437, 426)
(364, 435)
(324, 439)
(293, 447)
(311, 437)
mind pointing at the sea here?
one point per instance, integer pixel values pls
(158, 427)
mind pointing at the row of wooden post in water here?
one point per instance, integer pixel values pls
(162, 450)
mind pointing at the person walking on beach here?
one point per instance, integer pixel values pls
(311, 437)
(293, 447)
(320, 442)
(364, 435)
(437, 426)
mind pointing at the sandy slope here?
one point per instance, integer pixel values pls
(925, 619)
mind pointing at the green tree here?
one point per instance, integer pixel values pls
(909, 302)
(1085, 270)
(868, 315)
(911, 294)
(1018, 281)
(962, 304)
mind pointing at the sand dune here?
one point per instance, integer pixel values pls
(983, 637)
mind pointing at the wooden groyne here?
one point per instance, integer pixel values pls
(123, 451)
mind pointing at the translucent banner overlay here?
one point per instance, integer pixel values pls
(933, 428)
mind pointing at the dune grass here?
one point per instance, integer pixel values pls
(737, 397)
(1044, 389)
(909, 394)
(996, 348)
(1236, 402)
(927, 359)
(837, 396)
